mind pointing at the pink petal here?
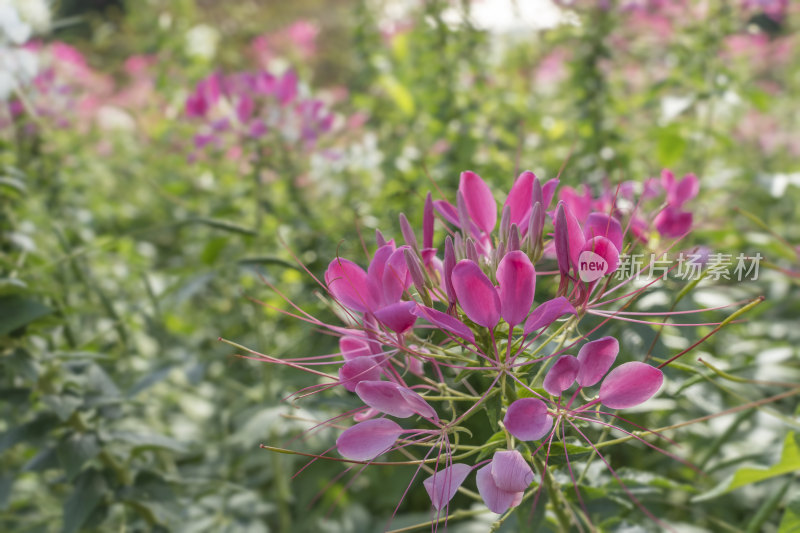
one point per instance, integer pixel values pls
(449, 265)
(443, 484)
(497, 500)
(561, 240)
(672, 222)
(602, 225)
(397, 317)
(481, 205)
(683, 191)
(547, 313)
(579, 204)
(476, 294)
(366, 414)
(415, 365)
(352, 347)
(596, 357)
(574, 234)
(667, 179)
(418, 404)
(511, 472)
(630, 384)
(445, 322)
(450, 214)
(360, 369)
(384, 396)
(562, 375)
(427, 223)
(396, 277)
(517, 279)
(348, 283)
(528, 419)
(375, 273)
(367, 440)
(548, 191)
(519, 197)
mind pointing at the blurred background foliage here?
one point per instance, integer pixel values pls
(128, 251)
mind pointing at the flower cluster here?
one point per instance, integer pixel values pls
(240, 108)
(431, 327)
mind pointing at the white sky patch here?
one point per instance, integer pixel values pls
(516, 16)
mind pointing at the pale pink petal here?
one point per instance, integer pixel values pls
(561, 375)
(367, 440)
(497, 500)
(547, 313)
(397, 317)
(348, 283)
(528, 419)
(511, 472)
(481, 205)
(360, 369)
(476, 294)
(443, 484)
(596, 357)
(517, 279)
(445, 322)
(630, 384)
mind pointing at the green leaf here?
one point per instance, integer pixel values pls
(62, 405)
(223, 225)
(6, 484)
(790, 523)
(788, 463)
(142, 441)
(671, 146)
(17, 311)
(89, 490)
(12, 185)
(497, 439)
(75, 450)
